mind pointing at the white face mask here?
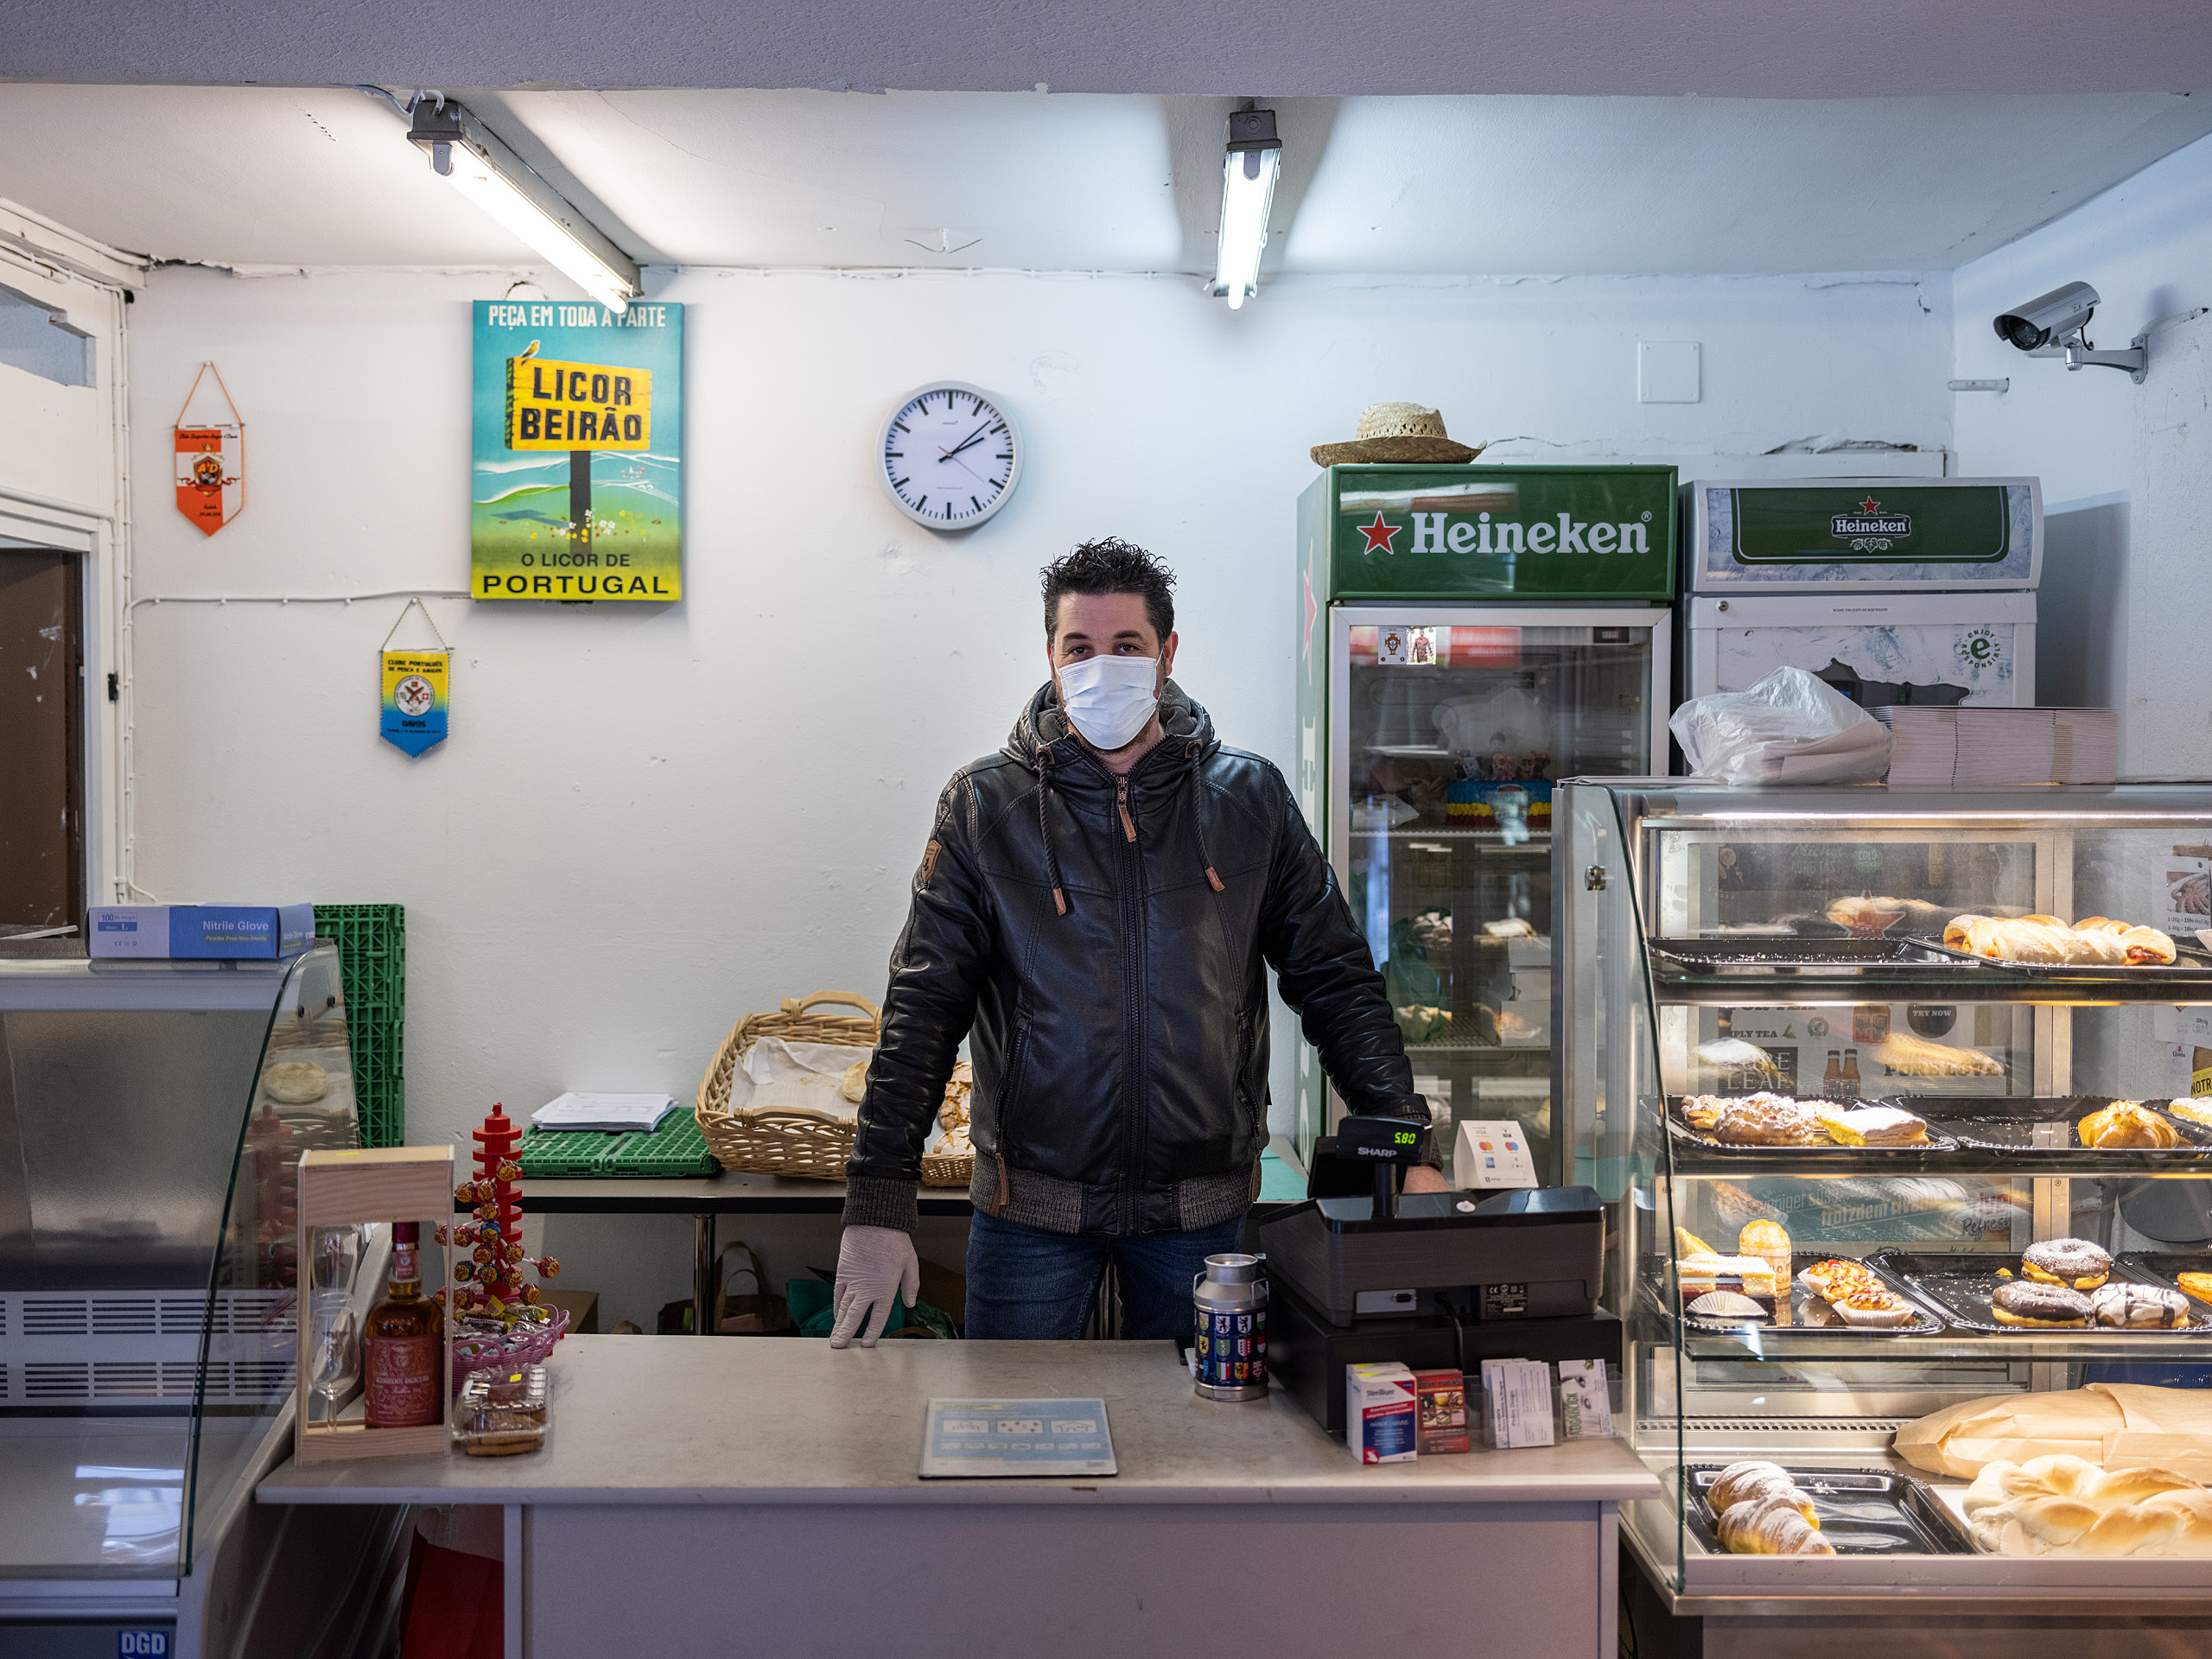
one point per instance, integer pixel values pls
(1110, 699)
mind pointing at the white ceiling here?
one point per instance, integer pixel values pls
(272, 176)
(1740, 48)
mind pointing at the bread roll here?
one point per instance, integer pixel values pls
(2146, 947)
(2134, 1485)
(2130, 1529)
(1959, 929)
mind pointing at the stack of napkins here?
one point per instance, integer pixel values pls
(1946, 747)
(616, 1114)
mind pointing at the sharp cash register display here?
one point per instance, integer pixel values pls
(1886, 1093)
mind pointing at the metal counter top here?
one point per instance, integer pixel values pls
(786, 1420)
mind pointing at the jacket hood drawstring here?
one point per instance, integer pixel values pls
(1045, 829)
(1197, 816)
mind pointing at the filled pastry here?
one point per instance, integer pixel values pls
(2025, 1302)
(1769, 1121)
(1875, 1126)
(1703, 1111)
(2197, 1111)
(2140, 1308)
(2126, 1124)
(2075, 1262)
(1770, 1241)
(1746, 1275)
(2198, 1285)
(1856, 1296)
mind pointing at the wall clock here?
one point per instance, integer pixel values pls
(950, 457)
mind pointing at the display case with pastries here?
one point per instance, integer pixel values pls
(1902, 1104)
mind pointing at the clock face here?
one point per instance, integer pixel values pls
(950, 457)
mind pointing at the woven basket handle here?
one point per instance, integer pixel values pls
(804, 1004)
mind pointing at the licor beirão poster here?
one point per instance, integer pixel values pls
(577, 488)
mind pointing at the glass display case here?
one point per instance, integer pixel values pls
(1789, 1044)
(151, 1117)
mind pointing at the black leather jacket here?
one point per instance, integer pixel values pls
(1101, 942)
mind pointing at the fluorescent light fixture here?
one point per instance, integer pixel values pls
(1248, 191)
(500, 182)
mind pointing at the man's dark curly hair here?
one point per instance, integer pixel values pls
(1110, 565)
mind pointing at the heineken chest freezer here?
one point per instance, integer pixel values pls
(1466, 636)
(1893, 590)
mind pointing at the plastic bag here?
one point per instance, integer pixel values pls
(1790, 728)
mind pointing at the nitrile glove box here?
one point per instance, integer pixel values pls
(198, 932)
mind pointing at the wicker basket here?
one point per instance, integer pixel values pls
(793, 1142)
(952, 1168)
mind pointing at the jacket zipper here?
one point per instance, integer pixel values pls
(1015, 1062)
(1133, 998)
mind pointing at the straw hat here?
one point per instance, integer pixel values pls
(1396, 432)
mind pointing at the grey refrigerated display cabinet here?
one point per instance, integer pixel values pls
(148, 1300)
(1698, 927)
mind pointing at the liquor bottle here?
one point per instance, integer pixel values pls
(1850, 1084)
(402, 1364)
(1832, 1079)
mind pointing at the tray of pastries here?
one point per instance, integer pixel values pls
(2187, 1271)
(1757, 1508)
(2041, 944)
(2039, 1124)
(1767, 1283)
(2061, 1284)
(1766, 1123)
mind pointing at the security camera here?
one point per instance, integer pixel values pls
(2058, 314)
(2053, 325)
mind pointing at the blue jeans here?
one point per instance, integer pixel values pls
(1025, 1282)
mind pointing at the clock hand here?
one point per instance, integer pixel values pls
(976, 436)
(953, 455)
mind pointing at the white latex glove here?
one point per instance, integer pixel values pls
(874, 1265)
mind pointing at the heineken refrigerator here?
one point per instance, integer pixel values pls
(1467, 635)
(1893, 590)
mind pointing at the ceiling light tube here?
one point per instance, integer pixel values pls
(1247, 192)
(503, 185)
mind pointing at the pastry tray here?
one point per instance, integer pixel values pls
(2002, 1124)
(1923, 1323)
(1845, 1160)
(1762, 955)
(1959, 1287)
(2162, 1268)
(1862, 1511)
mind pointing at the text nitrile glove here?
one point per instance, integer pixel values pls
(875, 1265)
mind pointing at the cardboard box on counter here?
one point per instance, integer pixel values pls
(199, 932)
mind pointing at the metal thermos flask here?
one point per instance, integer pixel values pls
(1230, 1300)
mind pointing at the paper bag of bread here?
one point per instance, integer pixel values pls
(2116, 1423)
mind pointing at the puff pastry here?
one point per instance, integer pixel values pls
(1774, 1525)
(2126, 1124)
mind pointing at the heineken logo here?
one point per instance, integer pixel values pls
(1443, 532)
(1870, 520)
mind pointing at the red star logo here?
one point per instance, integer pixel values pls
(1870, 505)
(1380, 535)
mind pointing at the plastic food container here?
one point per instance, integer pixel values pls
(502, 1412)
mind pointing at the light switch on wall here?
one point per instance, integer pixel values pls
(1666, 372)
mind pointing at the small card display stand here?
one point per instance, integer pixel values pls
(345, 1189)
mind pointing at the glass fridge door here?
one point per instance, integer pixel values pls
(1447, 725)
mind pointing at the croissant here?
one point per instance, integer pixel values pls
(1774, 1525)
(1752, 1480)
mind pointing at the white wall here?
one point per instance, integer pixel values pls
(2126, 469)
(649, 821)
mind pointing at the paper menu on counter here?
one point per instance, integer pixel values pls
(614, 1114)
(1518, 1393)
(1585, 1409)
(967, 1438)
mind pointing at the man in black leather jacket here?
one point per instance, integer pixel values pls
(1094, 911)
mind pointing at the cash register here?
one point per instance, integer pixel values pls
(1361, 1271)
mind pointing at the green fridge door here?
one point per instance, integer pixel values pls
(1492, 532)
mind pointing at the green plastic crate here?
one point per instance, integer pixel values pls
(675, 1149)
(371, 942)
